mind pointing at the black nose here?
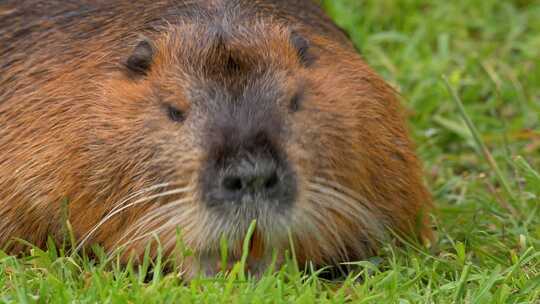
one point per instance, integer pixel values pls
(250, 180)
(257, 177)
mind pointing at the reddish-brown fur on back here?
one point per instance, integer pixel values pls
(79, 124)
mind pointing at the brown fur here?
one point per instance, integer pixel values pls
(75, 125)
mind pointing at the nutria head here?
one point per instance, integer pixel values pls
(208, 124)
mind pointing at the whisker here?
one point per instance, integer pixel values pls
(330, 234)
(343, 190)
(327, 196)
(117, 211)
(137, 193)
(349, 205)
(153, 217)
(170, 225)
(337, 186)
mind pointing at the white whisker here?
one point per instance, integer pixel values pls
(117, 211)
(139, 192)
(339, 218)
(155, 216)
(349, 207)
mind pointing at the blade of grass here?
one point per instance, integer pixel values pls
(245, 249)
(478, 140)
(461, 284)
(488, 284)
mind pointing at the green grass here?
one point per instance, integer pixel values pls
(469, 74)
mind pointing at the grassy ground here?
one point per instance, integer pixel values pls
(487, 192)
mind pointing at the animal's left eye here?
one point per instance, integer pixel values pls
(295, 103)
(175, 114)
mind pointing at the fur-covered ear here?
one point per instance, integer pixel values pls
(303, 48)
(141, 58)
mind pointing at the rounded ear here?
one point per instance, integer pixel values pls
(140, 60)
(302, 46)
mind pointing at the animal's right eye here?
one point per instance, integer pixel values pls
(175, 114)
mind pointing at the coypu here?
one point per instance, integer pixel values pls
(153, 116)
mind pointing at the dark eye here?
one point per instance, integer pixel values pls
(175, 114)
(295, 103)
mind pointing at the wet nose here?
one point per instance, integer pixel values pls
(254, 177)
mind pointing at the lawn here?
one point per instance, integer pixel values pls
(469, 74)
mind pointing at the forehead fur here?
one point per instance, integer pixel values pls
(227, 48)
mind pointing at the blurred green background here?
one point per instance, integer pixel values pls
(490, 51)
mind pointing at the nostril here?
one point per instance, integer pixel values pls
(272, 181)
(232, 183)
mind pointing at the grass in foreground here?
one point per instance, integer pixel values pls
(482, 175)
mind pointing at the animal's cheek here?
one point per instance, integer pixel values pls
(179, 158)
(300, 156)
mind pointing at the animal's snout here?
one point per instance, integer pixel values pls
(253, 172)
(252, 177)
